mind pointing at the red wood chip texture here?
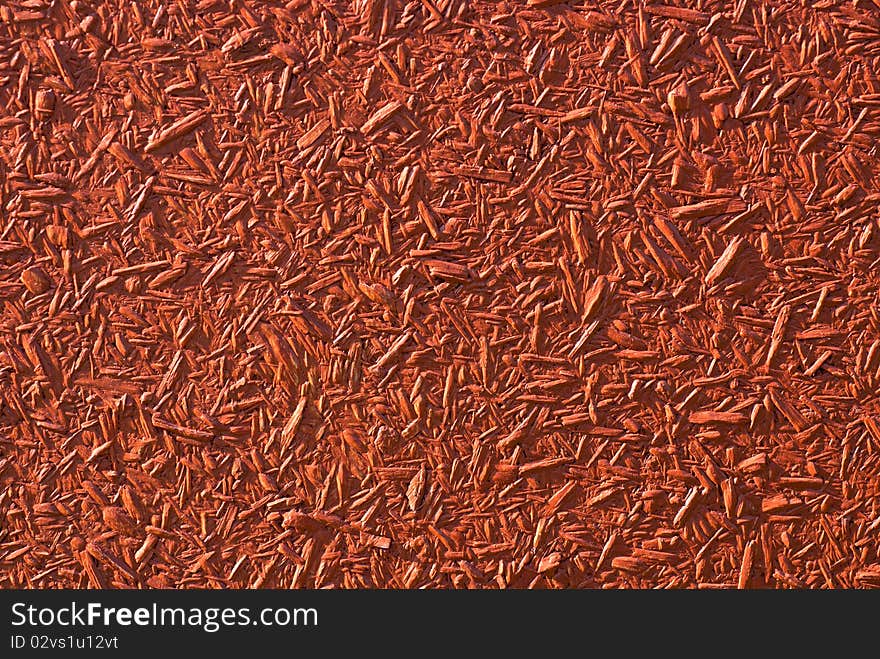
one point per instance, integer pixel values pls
(439, 293)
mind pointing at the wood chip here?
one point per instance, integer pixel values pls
(439, 294)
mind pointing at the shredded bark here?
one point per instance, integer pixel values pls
(440, 293)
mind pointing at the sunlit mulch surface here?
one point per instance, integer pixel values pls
(445, 293)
